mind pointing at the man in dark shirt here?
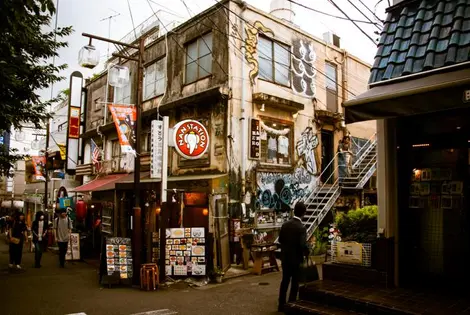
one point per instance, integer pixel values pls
(293, 239)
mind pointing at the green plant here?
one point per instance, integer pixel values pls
(320, 239)
(218, 272)
(358, 225)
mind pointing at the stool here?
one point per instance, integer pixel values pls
(149, 277)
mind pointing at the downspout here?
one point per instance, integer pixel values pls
(244, 129)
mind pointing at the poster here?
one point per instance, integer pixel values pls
(124, 118)
(119, 257)
(73, 250)
(39, 164)
(349, 253)
(185, 252)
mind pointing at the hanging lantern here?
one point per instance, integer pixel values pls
(158, 210)
(80, 210)
(19, 135)
(88, 57)
(118, 76)
(35, 145)
(205, 212)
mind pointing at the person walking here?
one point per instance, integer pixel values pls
(62, 230)
(293, 240)
(17, 237)
(39, 229)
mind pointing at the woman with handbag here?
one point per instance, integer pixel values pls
(17, 237)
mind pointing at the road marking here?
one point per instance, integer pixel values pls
(155, 312)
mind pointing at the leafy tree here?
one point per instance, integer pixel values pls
(26, 48)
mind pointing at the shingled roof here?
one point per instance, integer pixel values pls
(422, 35)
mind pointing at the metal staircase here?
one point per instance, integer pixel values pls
(324, 196)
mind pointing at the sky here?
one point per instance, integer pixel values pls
(92, 16)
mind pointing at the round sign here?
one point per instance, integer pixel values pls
(191, 139)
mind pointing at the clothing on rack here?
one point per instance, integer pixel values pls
(283, 145)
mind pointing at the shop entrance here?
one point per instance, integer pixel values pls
(327, 154)
(433, 218)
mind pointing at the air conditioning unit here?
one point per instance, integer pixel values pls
(332, 39)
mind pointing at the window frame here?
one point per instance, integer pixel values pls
(154, 83)
(198, 40)
(263, 154)
(129, 86)
(327, 88)
(274, 61)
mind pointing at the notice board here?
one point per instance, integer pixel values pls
(116, 261)
(185, 251)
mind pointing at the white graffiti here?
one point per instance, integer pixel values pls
(303, 68)
(306, 146)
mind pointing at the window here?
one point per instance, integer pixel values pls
(276, 139)
(199, 58)
(154, 79)
(123, 95)
(274, 61)
(331, 87)
(115, 149)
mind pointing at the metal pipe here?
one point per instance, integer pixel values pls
(109, 40)
(243, 141)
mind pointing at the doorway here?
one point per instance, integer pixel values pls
(327, 154)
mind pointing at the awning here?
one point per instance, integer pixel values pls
(123, 184)
(16, 204)
(442, 90)
(107, 182)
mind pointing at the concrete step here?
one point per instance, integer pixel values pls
(305, 307)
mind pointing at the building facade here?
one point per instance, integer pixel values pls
(269, 95)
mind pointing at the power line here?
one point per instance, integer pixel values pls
(328, 14)
(373, 13)
(132, 19)
(364, 14)
(166, 9)
(344, 13)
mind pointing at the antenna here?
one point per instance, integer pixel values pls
(109, 18)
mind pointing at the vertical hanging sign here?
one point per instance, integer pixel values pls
(73, 130)
(255, 141)
(156, 157)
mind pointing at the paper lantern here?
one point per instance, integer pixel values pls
(205, 212)
(118, 76)
(158, 210)
(80, 210)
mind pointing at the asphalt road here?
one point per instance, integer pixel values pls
(75, 289)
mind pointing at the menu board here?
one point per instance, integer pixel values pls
(73, 249)
(155, 247)
(119, 257)
(185, 252)
(255, 140)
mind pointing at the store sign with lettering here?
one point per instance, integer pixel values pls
(255, 141)
(156, 149)
(191, 139)
(74, 122)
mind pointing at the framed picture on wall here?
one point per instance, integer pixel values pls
(456, 187)
(446, 202)
(424, 189)
(414, 202)
(415, 188)
(426, 174)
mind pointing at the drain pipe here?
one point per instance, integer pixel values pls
(244, 125)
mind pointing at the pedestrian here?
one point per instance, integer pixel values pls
(39, 229)
(62, 230)
(293, 240)
(17, 237)
(344, 158)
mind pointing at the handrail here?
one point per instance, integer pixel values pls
(363, 169)
(368, 147)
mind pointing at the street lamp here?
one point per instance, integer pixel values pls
(118, 76)
(137, 215)
(88, 56)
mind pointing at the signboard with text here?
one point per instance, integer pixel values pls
(255, 141)
(191, 139)
(156, 156)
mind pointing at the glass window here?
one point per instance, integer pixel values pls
(116, 149)
(330, 70)
(274, 61)
(154, 79)
(123, 95)
(276, 140)
(331, 88)
(199, 58)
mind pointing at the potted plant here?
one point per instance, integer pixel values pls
(218, 274)
(319, 249)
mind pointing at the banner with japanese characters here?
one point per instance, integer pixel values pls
(124, 118)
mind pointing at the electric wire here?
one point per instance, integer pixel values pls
(330, 15)
(359, 10)
(132, 19)
(372, 12)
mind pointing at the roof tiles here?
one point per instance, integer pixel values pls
(422, 35)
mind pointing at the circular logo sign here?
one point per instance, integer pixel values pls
(191, 139)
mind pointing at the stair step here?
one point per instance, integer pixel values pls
(305, 307)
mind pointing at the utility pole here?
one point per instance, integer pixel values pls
(109, 18)
(137, 211)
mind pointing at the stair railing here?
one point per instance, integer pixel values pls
(365, 149)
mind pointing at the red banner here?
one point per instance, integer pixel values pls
(39, 166)
(124, 118)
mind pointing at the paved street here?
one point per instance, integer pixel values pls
(54, 291)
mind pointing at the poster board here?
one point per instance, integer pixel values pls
(349, 253)
(73, 248)
(116, 260)
(185, 252)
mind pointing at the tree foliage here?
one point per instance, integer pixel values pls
(26, 49)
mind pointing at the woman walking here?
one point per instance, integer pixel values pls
(40, 234)
(17, 237)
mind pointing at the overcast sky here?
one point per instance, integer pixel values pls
(89, 16)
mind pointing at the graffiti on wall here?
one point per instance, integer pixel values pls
(280, 191)
(251, 44)
(303, 68)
